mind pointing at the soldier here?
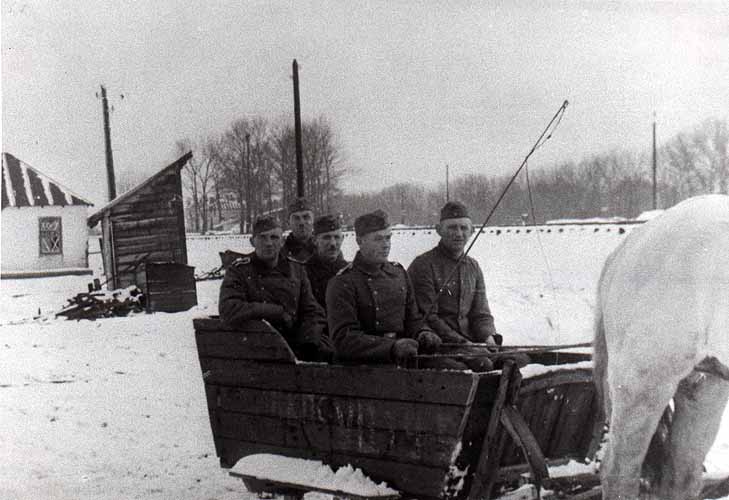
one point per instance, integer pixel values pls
(460, 314)
(299, 243)
(267, 285)
(371, 308)
(328, 259)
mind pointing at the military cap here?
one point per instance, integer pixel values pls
(453, 210)
(265, 223)
(371, 222)
(299, 205)
(326, 223)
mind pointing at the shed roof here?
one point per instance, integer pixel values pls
(25, 186)
(177, 164)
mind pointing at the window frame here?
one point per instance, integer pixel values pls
(47, 233)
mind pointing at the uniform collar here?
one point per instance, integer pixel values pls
(292, 241)
(283, 265)
(442, 250)
(371, 268)
(337, 263)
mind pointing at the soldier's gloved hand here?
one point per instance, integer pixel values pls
(453, 338)
(404, 349)
(429, 342)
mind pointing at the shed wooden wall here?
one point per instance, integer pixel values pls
(147, 225)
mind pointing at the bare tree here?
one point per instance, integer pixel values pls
(697, 162)
(199, 175)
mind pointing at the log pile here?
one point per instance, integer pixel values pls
(97, 303)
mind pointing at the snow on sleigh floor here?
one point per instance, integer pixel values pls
(115, 409)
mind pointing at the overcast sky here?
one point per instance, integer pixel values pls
(407, 86)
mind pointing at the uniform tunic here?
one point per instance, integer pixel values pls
(252, 290)
(365, 302)
(462, 311)
(320, 271)
(298, 249)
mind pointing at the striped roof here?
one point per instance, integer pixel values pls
(24, 186)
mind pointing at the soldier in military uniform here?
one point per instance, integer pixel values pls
(461, 313)
(328, 259)
(267, 285)
(371, 309)
(299, 243)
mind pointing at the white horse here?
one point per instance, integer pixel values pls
(662, 332)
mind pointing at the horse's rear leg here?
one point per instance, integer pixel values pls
(699, 405)
(636, 410)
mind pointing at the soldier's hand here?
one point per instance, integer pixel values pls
(454, 338)
(429, 342)
(404, 349)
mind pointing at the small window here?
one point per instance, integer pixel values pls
(51, 236)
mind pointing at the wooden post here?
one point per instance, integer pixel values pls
(448, 194)
(297, 131)
(107, 141)
(655, 192)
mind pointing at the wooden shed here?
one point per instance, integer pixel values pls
(145, 224)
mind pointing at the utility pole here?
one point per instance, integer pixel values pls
(448, 195)
(297, 130)
(402, 205)
(655, 191)
(107, 139)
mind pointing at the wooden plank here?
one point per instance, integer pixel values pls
(555, 378)
(386, 382)
(263, 344)
(401, 446)
(125, 247)
(215, 324)
(488, 462)
(342, 411)
(131, 258)
(426, 482)
(134, 240)
(528, 406)
(520, 433)
(160, 232)
(550, 421)
(153, 222)
(569, 436)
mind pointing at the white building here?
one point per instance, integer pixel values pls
(43, 227)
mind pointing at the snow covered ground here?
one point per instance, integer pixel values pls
(115, 409)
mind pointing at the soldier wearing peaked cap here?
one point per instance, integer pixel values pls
(267, 285)
(371, 309)
(327, 259)
(299, 243)
(461, 313)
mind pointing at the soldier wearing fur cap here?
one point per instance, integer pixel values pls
(267, 285)
(371, 307)
(461, 313)
(299, 243)
(327, 259)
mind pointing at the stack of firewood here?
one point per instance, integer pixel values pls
(97, 303)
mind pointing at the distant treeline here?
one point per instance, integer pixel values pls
(616, 183)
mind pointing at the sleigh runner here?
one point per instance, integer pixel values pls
(426, 433)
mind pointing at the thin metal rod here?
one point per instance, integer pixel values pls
(538, 143)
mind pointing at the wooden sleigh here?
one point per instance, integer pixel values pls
(427, 433)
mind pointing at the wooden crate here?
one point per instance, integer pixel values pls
(167, 286)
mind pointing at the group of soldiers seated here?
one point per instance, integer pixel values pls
(370, 310)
